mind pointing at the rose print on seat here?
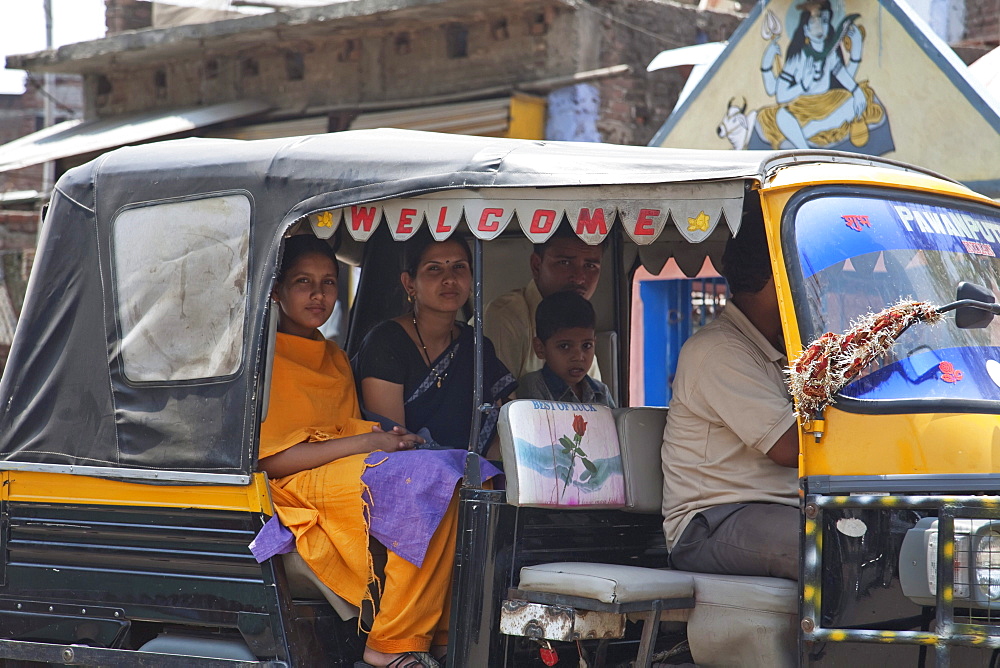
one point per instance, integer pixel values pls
(563, 454)
(573, 449)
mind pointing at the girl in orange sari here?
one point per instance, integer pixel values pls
(313, 446)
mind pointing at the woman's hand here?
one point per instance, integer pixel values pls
(395, 440)
(304, 456)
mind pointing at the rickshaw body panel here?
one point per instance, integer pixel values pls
(856, 444)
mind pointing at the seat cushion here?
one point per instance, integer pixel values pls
(607, 583)
(747, 592)
(640, 434)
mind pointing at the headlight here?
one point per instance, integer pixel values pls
(960, 573)
(977, 547)
(988, 565)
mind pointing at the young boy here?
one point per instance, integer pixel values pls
(564, 325)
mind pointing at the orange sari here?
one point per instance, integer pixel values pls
(313, 398)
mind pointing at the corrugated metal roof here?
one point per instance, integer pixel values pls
(482, 117)
(298, 127)
(76, 138)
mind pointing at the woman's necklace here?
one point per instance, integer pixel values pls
(451, 355)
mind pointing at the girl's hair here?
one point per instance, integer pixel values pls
(300, 245)
(414, 249)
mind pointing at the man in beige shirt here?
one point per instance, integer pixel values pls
(730, 446)
(562, 263)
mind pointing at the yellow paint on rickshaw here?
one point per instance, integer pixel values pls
(810, 527)
(904, 444)
(808, 592)
(948, 548)
(837, 636)
(887, 636)
(66, 488)
(947, 595)
(788, 181)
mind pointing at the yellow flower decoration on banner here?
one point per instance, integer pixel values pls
(700, 222)
(324, 219)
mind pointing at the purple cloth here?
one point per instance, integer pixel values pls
(410, 493)
(272, 539)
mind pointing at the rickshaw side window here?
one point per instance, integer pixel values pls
(180, 275)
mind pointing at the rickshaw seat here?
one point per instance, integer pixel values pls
(303, 584)
(606, 352)
(533, 436)
(727, 611)
(606, 583)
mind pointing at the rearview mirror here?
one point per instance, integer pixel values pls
(969, 317)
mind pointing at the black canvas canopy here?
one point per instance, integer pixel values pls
(89, 385)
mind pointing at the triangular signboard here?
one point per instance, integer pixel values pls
(866, 76)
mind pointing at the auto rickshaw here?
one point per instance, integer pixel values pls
(138, 378)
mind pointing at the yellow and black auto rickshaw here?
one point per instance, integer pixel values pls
(136, 384)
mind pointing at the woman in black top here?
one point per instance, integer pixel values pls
(417, 369)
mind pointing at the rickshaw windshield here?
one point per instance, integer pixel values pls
(851, 254)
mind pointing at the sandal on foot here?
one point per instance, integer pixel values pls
(408, 660)
(414, 660)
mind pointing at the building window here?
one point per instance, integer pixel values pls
(402, 43)
(103, 89)
(457, 40)
(351, 53)
(295, 66)
(539, 23)
(212, 68)
(160, 83)
(249, 67)
(499, 30)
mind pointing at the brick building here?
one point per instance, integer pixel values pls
(557, 69)
(354, 64)
(981, 31)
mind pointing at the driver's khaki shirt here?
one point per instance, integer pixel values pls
(729, 407)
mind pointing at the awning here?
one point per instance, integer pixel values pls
(76, 137)
(521, 116)
(644, 211)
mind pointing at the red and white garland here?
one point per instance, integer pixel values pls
(833, 360)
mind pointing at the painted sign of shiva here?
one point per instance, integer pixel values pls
(820, 102)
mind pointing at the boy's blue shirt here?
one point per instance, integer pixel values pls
(545, 384)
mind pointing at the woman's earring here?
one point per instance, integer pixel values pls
(409, 297)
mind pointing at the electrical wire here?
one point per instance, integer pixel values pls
(40, 87)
